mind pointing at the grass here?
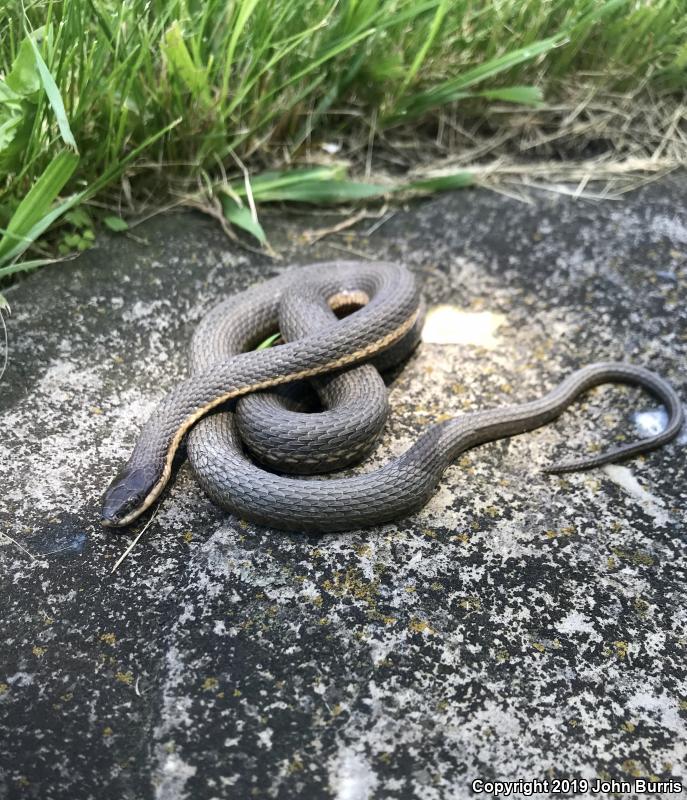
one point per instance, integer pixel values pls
(109, 105)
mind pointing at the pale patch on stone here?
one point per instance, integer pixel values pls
(671, 227)
(172, 778)
(575, 623)
(351, 775)
(651, 422)
(662, 705)
(654, 506)
(447, 324)
(265, 738)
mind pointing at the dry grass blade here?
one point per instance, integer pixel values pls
(135, 541)
(20, 546)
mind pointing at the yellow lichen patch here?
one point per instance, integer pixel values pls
(640, 606)
(4, 688)
(502, 654)
(295, 766)
(493, 511)
(187, 536)
(539, 647)
(107, 731)
(638, 558)
(352, 583)
(420, 626)
(429, 532)
(632, 768)
(317, 600)
(125, 677)
(682, 704)
(336, 710)
(363, 549)
(463, 538)
(39, 652)
(237, 693)
(568, 530)
(628, 727)
(210, 684)
(471, 603)
(620, 649)
(108, 638)
(95, 410)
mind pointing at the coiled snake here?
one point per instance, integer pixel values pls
(301, 303)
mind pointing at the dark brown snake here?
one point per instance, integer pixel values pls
(383, 329)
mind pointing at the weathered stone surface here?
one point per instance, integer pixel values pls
(520, 626)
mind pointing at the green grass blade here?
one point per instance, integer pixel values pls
(336, 191)
(318, 185)
(246, 8)
(455, 88)
(179, 59)
(525, 95)
(442, 183)
(115, 223)
(54, 97)
(241, 217)
(421, 55)
(36, 205)
(268, 342)
(26, 266)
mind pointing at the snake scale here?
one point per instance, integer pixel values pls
(341, 321)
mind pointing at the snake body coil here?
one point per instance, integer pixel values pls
(301, 303)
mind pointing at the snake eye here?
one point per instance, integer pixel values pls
(125, 494)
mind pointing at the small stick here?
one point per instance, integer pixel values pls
(135, 541)
(21, 547)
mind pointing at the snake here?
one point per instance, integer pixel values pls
(248, 431)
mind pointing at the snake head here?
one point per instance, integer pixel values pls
(129, 494)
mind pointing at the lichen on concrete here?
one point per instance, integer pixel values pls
(519, 626)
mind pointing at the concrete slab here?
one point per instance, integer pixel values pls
(519, 627)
